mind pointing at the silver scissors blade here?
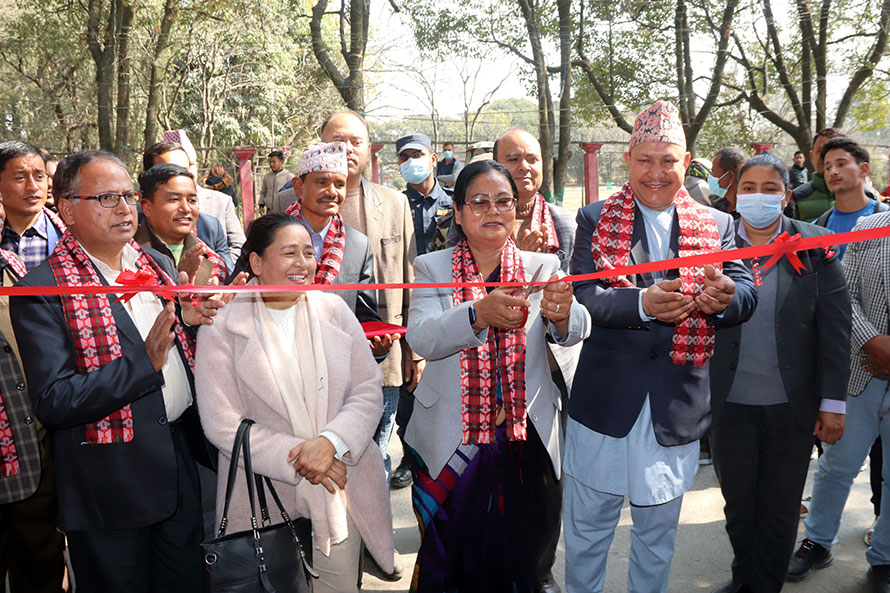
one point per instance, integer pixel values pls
(531, 287)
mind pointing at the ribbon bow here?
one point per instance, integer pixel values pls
(140, 278)
(788, 250)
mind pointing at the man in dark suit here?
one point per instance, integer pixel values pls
(117, 392)
(775, 381)
(633, 431)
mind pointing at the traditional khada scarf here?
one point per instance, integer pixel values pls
(304, 391)
(542, 220)
(94, 331)
(693, 339)
(503, 354)
(325, 157)
(9, 457)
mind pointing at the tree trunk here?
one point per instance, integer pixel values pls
(352, 48)
(564, 153)
(123, 80)
(150, 135)
(103, 53)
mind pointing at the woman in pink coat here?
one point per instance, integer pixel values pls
(298, 364)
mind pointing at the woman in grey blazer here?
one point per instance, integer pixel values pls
(484, 435)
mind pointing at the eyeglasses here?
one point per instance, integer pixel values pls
(112, 199)
(480, 206)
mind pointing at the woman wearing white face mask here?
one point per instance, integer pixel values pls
(775, 381)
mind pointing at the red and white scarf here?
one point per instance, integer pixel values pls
(477, 371)
(220, 272)
(9, 457)
(94, 331)
(331, 251)
(54, 218)
(14, 263)
(542, 220)
(693, 340)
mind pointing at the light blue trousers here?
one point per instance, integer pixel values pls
(589, 520)
(868, 415)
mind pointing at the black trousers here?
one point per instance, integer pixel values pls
(32, 550)
(160, 558)
(761, 456)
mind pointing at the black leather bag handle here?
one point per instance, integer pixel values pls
(233, 472)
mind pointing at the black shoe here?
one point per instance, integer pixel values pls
(401, 477)
(548, 585)
(808, 556)
(880, 574)
(732, 587)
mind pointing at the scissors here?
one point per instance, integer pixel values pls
(526, 292)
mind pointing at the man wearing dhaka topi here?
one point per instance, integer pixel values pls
(633, 432)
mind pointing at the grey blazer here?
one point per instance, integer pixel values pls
(438, 331)
(867, 267)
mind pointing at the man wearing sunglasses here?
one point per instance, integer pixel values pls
(117, 390)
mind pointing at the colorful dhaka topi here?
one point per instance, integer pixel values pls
(659, 122)
(329, 157)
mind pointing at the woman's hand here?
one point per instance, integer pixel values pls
(556, 303)
(313, 460)
(501, 310)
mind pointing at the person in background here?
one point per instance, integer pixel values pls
(799, 174)
(31, 547)
(31, 230)
(724, 177)
(485, 433)
(213, 204)
(51, 163)
(449, 167)
(274, 180)
(297, 364)
(696, 182)
(776, 380)
(220, 181)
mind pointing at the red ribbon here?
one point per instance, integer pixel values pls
(142, 279)
(787, 247)
(790, 250)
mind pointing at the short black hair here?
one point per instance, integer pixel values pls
(156, 150)
(771, 161)
(471, 171)
(276, 153)
(261, 233)
(848, 144)
(13, 149)
(799, 152)
(65, 180)
(351, 112)
(828, 133)
(731, 158)
(152, 177)
(444, 144)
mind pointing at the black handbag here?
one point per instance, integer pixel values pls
(265, 559)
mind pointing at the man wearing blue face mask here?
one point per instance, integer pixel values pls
(724, 178)
(428, 201)
(449, 167)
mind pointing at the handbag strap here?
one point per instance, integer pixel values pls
(293, 530)
(233, 472)
(251, 490)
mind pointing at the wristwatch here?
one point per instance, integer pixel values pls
(472, 315)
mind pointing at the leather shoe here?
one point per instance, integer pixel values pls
(880, 575)
(732, 587)
(548, 585)
(808, 556)
(401, 477)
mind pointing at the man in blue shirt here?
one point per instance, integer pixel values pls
(846, 166)
(428, 201)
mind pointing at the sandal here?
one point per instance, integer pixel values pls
(805, 506)
(870, 533)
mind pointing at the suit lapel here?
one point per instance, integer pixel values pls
(785, 270)
(639, 249)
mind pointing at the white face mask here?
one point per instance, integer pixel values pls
(759, 210)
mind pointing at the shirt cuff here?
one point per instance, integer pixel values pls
(833, 406)
(339, 444)
(643, 317)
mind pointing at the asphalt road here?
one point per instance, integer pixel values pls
(703, 554)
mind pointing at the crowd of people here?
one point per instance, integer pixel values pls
(525, 405)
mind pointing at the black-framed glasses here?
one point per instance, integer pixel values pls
(480, 206)
(112, 199)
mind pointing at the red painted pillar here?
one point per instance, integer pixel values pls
(591, 172)
(245, 171)
(375, 163)
(761, 147)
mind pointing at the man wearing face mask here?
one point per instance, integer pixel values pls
(724, 178)
(429, 202)
(449, 167)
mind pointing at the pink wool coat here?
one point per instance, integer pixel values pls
(234, 380)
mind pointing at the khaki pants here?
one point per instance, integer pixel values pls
(338, 573)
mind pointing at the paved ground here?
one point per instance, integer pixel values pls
(703, 553)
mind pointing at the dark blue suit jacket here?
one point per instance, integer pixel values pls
(114, 486)
(212, 233)
(624, 359)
